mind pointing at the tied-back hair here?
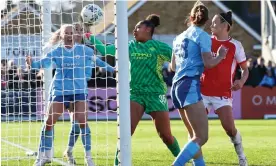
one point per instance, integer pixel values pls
(55, 38)
(196, 20)
(152, 21)
(227, 18)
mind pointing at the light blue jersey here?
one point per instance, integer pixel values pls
(73, 68)
(187, 48)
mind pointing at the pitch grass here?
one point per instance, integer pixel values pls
(259, 138)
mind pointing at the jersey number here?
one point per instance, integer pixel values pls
(185, 47)
(163, 99)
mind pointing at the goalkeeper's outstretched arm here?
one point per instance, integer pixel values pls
(102, 48)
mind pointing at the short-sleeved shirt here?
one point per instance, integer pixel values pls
(146, 60)
(187, 49)
(218, 80)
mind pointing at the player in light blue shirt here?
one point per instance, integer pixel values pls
(74, 63)
(187, 48)
(191, 53)
(73, 68)
(80, 29)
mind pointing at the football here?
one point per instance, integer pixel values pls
(92, 14)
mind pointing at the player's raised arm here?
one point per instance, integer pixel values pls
(45, 62)
(50, 49)
(208, 59)
(102, 48)
(88, 38)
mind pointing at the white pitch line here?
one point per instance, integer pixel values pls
(29, 150)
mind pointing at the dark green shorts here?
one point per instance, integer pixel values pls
(151, 102)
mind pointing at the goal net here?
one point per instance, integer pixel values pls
(26, 27)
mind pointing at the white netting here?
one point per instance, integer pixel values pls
(23, 101)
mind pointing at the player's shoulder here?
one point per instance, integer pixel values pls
(57, 48)
(238, 45)
(203, 32)
(132, 41)
(161, 44)
(49, 47)
(236, 42)
(239, 50)
(204, 35)
(197, 34)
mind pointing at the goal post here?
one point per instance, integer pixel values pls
(122, 57)
(26, 28)
(46, 34)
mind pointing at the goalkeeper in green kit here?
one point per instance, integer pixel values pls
(147, 88)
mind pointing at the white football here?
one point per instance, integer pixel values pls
(92, 14)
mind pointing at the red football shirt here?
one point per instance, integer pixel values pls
(218, 80)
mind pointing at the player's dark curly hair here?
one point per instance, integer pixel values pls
(152, 21)
(226, 17)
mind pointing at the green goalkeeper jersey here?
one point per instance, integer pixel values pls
(146, 61)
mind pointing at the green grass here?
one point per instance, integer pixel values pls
(259, 140)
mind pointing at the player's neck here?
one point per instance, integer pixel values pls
(222, 37)
(68, 45)
(143, 41)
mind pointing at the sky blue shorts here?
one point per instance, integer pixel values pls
(67, 99)
(186, 91)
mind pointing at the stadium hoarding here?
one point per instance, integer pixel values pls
(102, 105)
(258, 102)
(248, 103)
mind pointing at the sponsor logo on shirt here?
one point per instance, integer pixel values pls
(141, 55)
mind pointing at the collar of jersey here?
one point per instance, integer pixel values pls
(69, 49)
(145, 42)
(229, 38)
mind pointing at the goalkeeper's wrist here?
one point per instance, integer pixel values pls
(92, 39)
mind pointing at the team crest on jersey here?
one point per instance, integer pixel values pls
(77, 56)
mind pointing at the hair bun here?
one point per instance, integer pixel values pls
(229, 14)
(154, 18)
(227, 17)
